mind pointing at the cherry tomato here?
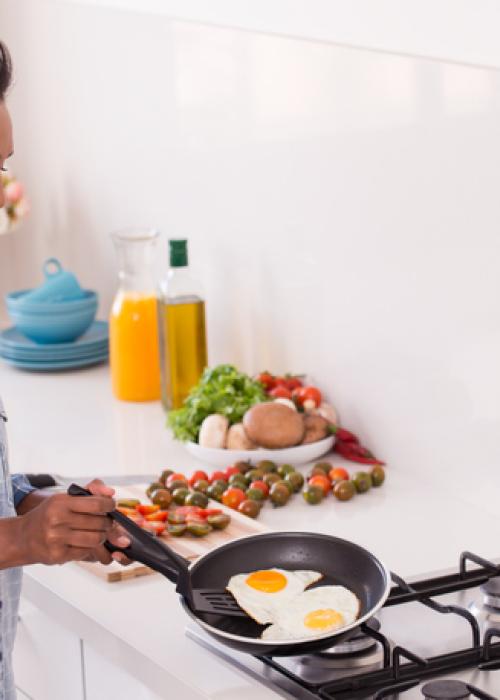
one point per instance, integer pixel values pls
(216, 476)
(175, 477)
(266, 379)
(260, 485)
(280, 392)
(232, 497)
(338, 474)
(322, 481)
(293, 383)
(146, 508)
(154, 527)
(159, 517)
(280, 381)
(230, 471)
(307, 393)
(197, 476)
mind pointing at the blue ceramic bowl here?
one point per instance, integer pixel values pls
(17, 303)
(60, 327)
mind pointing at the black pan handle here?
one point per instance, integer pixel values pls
(146, 548)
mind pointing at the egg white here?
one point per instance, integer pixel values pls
(263, 606)
(288, 622)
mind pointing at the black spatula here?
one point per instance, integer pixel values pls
(155, 553)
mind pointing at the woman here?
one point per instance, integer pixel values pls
(36, 527)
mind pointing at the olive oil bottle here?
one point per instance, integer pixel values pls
(182, 332)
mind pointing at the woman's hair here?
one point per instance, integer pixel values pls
(5, 70)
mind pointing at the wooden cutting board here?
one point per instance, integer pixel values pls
(188, 546)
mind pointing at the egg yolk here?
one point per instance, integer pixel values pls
(323, 619)
(266, 581)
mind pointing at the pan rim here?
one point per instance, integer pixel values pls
(297, 640)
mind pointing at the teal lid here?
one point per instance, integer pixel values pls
(178, 252)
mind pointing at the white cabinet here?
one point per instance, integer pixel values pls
(47, 658)
(104, 680)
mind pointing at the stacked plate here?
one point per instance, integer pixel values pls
(89, 349)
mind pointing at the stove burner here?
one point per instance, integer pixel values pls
(491, 592)
(359, 650)
(445, 690)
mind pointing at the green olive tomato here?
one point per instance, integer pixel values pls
(162, 498)
(196, 498)
(215, 492)
(266, 466)
(285, 469)
(286, 484)
(180, 494)
(316, 471)
(325, 467)
(253, 475)
(296, 480)
(362, 481)
(201, 485)
(199, 529)
(271, 478)
(255, 494)
(154, 487)
(378, 475)
(177, 530)
(219, 521)
(237, 480)
(175, 518)
(344, 490)
(279, 493)
(221, 483)
(164, 475)
(244, 467)
(313, 494)
(250, 508)
(177, 484)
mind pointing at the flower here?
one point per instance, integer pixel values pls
(16, 206)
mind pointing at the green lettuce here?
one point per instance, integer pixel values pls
(221, 389)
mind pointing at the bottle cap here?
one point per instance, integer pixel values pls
(178, 252)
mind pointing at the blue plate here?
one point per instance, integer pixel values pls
(17, 346)
(54, 366)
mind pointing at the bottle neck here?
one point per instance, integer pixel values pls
(180, 286)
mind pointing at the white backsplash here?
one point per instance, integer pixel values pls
(341, 206)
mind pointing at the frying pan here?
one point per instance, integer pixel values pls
(341, 562)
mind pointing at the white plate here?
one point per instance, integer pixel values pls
(290, 455)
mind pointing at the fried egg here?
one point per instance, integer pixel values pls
(262, 594)
(313, 613)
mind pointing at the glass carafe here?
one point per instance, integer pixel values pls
(134, 349)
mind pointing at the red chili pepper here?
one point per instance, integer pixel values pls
(343, 434)
(355, 453)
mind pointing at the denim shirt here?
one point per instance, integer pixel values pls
(12, 491)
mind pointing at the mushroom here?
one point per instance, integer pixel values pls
(237, 439)
(273, 425)
(213, 431)
(316, 428)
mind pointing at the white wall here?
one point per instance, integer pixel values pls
(342, 205)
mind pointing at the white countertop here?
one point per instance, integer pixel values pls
(69, 424)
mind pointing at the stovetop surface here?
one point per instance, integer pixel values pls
(414, 626)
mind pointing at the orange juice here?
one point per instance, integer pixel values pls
(134, 352)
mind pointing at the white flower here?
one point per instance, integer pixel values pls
(4, 221)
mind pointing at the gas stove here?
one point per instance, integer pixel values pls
(437, 638)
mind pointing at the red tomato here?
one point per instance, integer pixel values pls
(280, 392)
(188, 510)
(197, 476)
(210, 511)
(175, 477)
(232, 497)
(266, 379)
(338, 474)
(217, 475)
(260, 485)
(280, 381)
(154, 527)
(293, 383)
(322, 481)
(230, 471)
(147, 508)
(307, 393)
(159, 517)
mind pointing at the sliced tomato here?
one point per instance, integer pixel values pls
(129, 512)
(147, 508)
(280, 392)
(197, 476)
(159, 517)
(187, 510)
(206, 512)
(155, 527)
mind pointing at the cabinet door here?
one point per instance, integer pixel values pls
(47, 658)
(105, 680)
